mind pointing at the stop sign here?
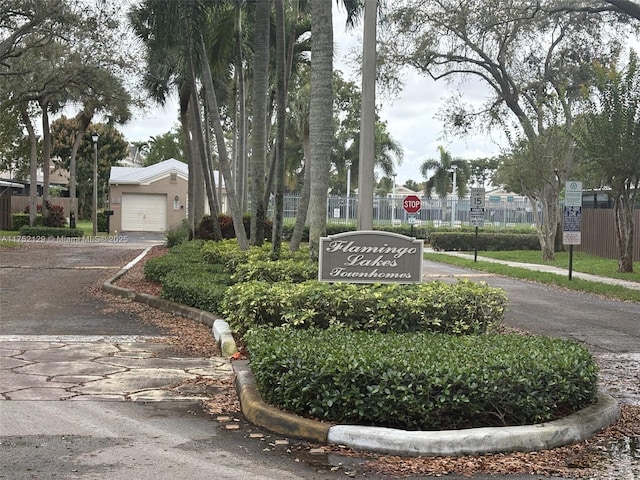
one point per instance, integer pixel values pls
(411, 204)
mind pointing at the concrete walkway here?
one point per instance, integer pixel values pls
(92, 367)
(548, 269)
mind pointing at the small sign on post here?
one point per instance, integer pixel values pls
(571, 218)
(412, 204)
(476, 214)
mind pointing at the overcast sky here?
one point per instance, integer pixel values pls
(410, 118)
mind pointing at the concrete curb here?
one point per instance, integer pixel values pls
(574, 428)
(219, 327)
(473, 441)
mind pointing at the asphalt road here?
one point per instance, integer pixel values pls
(43, 296)
(602, 324)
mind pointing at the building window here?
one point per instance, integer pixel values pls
(173, 178)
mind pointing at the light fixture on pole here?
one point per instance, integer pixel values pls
(454, 196)
(393, 200)
(94, 211)
(348, 163)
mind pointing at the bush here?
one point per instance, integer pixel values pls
(102, 222)
(181, 256)
(196, 288)
(463, 308)
(178, 235)
(422, 380)
(19, 220)
(465, 241)
(50, 232)
(276, 271)
(54, 218)
(205, 227)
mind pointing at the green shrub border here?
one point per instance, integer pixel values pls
(421, 381)
(50, 232)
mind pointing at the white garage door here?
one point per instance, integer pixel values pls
(144, 212)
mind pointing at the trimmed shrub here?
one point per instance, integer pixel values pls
(196, 288)
(19, 220)
(486, 241)
(185, 255)
(50, 232)
(289, 270)
(421, 381)
(463, 308)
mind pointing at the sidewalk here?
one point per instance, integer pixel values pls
(548, 269)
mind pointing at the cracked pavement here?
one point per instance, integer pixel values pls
(127, 368)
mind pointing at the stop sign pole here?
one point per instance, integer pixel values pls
(411, 204)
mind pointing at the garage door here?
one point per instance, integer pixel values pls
(144, 212)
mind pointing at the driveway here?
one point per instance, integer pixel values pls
(92, 392)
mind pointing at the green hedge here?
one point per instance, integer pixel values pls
(465, 241)
(421, 381)
(50, 232)
(463, 308)
(19, 220)
(288, 270)
(196, 288)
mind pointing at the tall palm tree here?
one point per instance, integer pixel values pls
(321, 126)
(442, 180)
(259, 131)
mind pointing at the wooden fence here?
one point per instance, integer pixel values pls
(598, 234)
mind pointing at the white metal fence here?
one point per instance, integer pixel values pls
(499, 211)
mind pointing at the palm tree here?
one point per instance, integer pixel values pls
(442, 180)
(321, 126)
(259, 132)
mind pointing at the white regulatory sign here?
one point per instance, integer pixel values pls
(477, 198)
(573, 194)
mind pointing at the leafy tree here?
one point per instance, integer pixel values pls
(483, 170)
(165, 146)
(26, 25)
(534, 63)
(441, 180)
(622, 7)
(413, 185)
(610, 140)
(112, 148)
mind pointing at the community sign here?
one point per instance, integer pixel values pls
(368, 256)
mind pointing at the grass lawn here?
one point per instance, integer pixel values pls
(581, 263)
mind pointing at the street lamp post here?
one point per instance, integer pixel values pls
(348, 163)
(94, 211)
(454, 203)
(393, 201)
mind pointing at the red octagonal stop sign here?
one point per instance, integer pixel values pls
(411, 204)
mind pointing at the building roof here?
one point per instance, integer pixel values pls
(150, 174)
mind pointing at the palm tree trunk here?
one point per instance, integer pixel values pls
(281, 98)
(212, 105)
(321, 131)
(203, 165)
(259, 131)
(367, 122)
(33, 167)
(303, 207)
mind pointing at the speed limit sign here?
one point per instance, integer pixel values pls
(477, 198)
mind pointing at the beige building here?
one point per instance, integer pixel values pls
(148, 199)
